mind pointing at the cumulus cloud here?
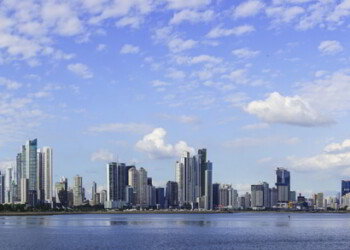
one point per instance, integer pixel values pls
(129, 49)
(281, 14)
(336, 147)
(191, 16)
(248, 9)
(102, 155)
(131, 21)
(219, 31)
(245, 53)
(177, 44)
(330, 47)
(120, 128)
(184, 4)
(81, 70)
(156, 147)
(9, 84)
(197, 59)
(284, 109)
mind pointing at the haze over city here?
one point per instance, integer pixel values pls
(260, 84)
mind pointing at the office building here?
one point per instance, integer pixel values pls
(273, 197)
(345, 187)
(257, 196)
(62, 192)
(283, 185)
(47, 173)
(202, 162)
(93, 193)
(2, 188)
(24, 190)
(172, 194)
(103, 197)
(78, 195)
(160, 199)
(143, 187)
(29, 169)
(208, 205)
(8, 186)
(116, 181)
(134, 182)
(216, 195)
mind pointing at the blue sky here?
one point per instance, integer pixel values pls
(260, 84)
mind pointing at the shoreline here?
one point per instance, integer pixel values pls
(3, 214)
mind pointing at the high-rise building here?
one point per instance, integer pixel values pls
(293, 196)
(126, 174)
(40, 177)
(160, 198)
(273, 197)
(143, 187)
(47, 172)
(134, 182)
(180, 180)
(319, 201)
(24, 190)
(283, 185)
(103, 197)
(18, 176)
(235, 199)
(29, 169)
(78, 191)
(247, 200)
(345, 187)
(2, 188)
(267, 198)
(172, 194)
(94, 192)
(225, 196)
(216, 195)
(116, 181)
(208, 200)
(62, 192)
(202, 162)
(8, 185)
(149, 181)
(129, 195)
(257, 192)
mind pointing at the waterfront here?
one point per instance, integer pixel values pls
(177, 231)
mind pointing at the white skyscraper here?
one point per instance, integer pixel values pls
(134, 182)
(47, 169)
(180, 181)
(208, 200)
(8, 185)
(78, 191)
(143, 187)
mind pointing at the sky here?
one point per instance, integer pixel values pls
(260, 84)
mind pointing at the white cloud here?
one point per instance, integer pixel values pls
(237, 99)
(197, 59)
(129, 49)
(245, 53)
(101, 47)
(120, 128)
(330, 47)
(256, 126)
(175, 74)
(191, 16)
(336, 147)
(81, 70)
(289, 110)
(183, 4)
(248, 9)
(218, 31)
(155, 146)
(284, 14)
(177, 44)
(131, 21)
(237, 76)
(9, 84)
(187, 119)
(102, 155)
(157, 83)
(329, 93)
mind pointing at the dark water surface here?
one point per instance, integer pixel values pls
(174, 231)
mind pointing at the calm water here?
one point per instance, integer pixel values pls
(192, 231)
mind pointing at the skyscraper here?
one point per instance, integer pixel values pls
(143, 187)
(208, 187)
(8, 185)
(62, 192)
(345, 187)
(94, 192)
(78, 191)
(257, 195)
(283, 185)
(172, 194)
(180, 175)
(135, 184)
(2, 188)
(30, 170)
(40, 177)
(115, 181)
(160, 197)
(47, 173)
(216, 195)
(202, 161)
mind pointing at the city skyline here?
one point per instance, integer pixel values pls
(261, 84)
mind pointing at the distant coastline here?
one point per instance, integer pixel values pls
(2, 214)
